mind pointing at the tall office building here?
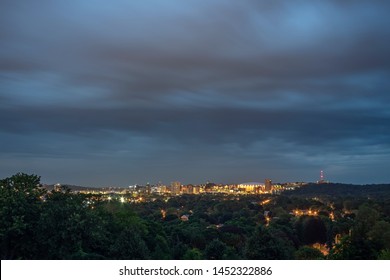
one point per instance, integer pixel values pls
(175, 187)
(268, 185)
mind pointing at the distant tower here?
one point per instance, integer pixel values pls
(148, 188)
(322, 178)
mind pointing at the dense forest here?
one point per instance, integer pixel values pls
(36, 223)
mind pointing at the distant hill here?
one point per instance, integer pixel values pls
(342, 190)
(75, 188)
(72, 187)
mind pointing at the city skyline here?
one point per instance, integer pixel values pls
(97, 93)
(266, 182)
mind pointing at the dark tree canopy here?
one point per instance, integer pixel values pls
(44, 223)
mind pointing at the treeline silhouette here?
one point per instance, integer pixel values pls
(36, 223)
(375, 191)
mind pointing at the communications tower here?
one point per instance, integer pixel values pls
(322, 178)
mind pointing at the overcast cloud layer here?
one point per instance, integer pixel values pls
(122, 92)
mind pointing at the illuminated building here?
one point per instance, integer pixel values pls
(184, 218)
(268, 185)
(189, 189)
(195, 189)
(249, 187)
(58, 187)
(162, 189)
(175, 187)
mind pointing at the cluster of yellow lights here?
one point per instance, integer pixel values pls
(163, 213)
(305, 212)
(267, 219)
(265, 202)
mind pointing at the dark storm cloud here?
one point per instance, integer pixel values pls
(206, 125)
(199, 78)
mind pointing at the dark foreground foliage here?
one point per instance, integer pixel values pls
(36, 223)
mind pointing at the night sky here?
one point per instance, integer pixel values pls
(101, 93)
